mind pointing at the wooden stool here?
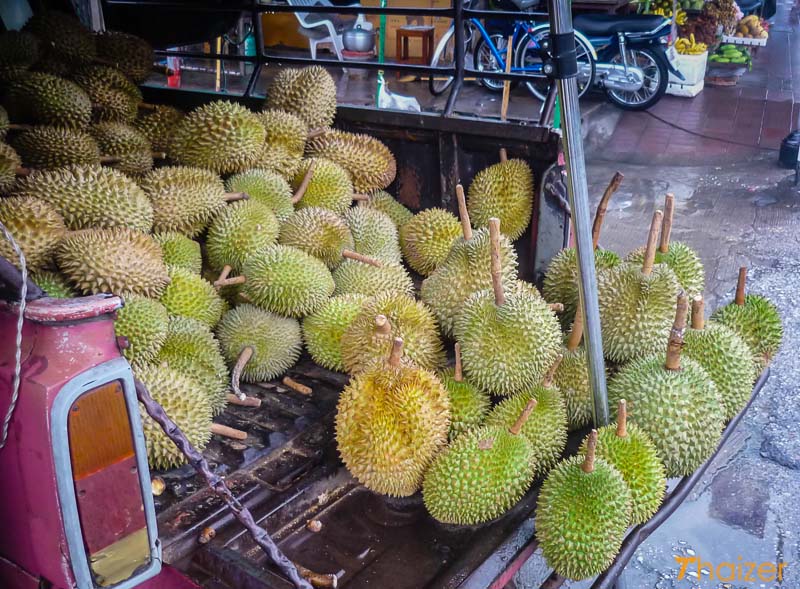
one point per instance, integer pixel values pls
(425, 33)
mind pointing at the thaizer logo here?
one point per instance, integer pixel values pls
(741, 570)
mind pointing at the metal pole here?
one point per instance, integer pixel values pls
(565, 62)
(458, 57)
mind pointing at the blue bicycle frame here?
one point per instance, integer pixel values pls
(520, 29)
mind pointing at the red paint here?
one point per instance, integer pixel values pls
(507, 575)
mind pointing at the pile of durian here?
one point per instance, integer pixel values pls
(237, 239)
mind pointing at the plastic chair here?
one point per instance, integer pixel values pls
(321, 28)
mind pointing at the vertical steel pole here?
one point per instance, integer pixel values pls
(560, 29)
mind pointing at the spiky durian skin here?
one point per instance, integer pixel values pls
(507, 349)
(682, 260)
(191, 349)
(129, 53)
(287, 281)
(63, 35)
(126, 143)
(118, 261)
(91, 197)
(93, 76)
(52, 283)
(276, 341)
(36, 227)
(318, 232)
(267, 187)
(180, 251)
(113, 105)
(561, 280)
(352, 276)
(330, 186)
(636, 311)
(190, 295)
(426, 239)
(189, 409)
(468, 405)
(143, 322)
(386, 203)
(4, 122)
(581, 517)
(410, 320)
(680, 410)
(546, 428)
(758, 323)
(323, 329)
(18, 52)
(308, 93)
(220, 136)
(390, 424)
(240, 229)
(9, 162)
(183, 199)
(572, 379)
(466, 269)
(505, 191)
(369, 162)
(158, 125)
(285, 142)
(45, 147)
(636, 459)
(374, 234)
(48, 100)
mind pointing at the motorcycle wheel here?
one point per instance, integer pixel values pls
(529, 54)
(483, 60)
(656, 77)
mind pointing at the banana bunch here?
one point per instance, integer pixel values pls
(680, 17)
(689, 46)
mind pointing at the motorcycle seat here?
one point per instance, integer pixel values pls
(609, 24)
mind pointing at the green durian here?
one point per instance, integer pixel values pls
(572, 378)
(93, 76)
(238, 231)
(9, 163)
(504, 191)
(54, 284)
(374, 234)
(4, 122)
(180, 251)
(318, 232)
(353, 276)
(143, 322)
(190, 295)
(285, 142)
(369, 163)
(386, 203)
(329, 186)
(308, 93)
(266, 187)
(63, 36)
(44, 99)
(125, 143)
(131, 54)
(46, 147)
(158, 125)
(426, 239)
(323, 329)
(19, 51)
(468, 405)
(35, 225)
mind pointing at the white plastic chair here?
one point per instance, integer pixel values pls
(321, 28)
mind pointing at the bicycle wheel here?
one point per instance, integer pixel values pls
(530, 57)
(444, 56)
(483, 60)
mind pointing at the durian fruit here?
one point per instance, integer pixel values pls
(465, 270)
(19, 51)
(190, 411)
(63, 36)
(545, 429)
(505, 191)
(190, 295)
(285, 142)
(368, 161)
(238, 231)
(637, 305)
(9, 164)
(90, 197)
(383, 318)
(287, 281)
(386, 203)
(45, 147)
(756, 320)
(391, 421)
(322, 183)
(53, 284)
(508, 341)
(131, 54)
(93, 76)
(323, 329)
(483, 473)
(633, 454)
(129, 146)
(184, 199)
(679, 257)
(44, 99)
(674, 402)
(180, 251)
(374, 234)
(368, 276)
(319, 232)
(191, 349)
(468, 405)
(262, 345)
(158, 125)
(5, 124)
(582, 513)
(308, 93)
(725, 357)
(426, 239)
(572, 377)
(36, 227)
(119, 261)
(220, 136)
(266, 187)
(112, 105)
(143, 323)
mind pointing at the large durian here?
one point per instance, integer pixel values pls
(35, 225)
(374, 234)
(323, 329)
(131, 54)
(9, 165)
(44, 99)
(63, 36)
(426, 239)
(158, 124)
(143, 323)
(190, 295)
(18, 52)
(319, 232)
(368, 276)
(266, 187)
(572, 377)
(386, 203)
(468, 404)
(238, 231)
(308, 93)
(45, 147)
(130, 148)
(322, 183)
(94, 76)
(368, 161)
(180, 251)
(285, 142)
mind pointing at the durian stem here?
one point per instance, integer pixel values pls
(382, 325)
(591, 448)
(226, 271)
(548, 378)
(602, 207)
(503, 155)
(576, 334)
(698, 313)
(234, 196)
(463, 213)
(556, 307)
(230, 281)
(458, 371)
(740, 286)
(19, 127)
(523, 417)
(301, 190)
(147, 106)
(246, 402)
(652, 238)
(497, 270)
(22, 171)
(666, 224)
(109, 159)
(236, 373)
(350, 254)
(228, 432)
(313, 133)
(159, 155)
(318, 580)
(297, 386)
(622, 419)
(361, 197)
(676, 335)
(397, 352)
